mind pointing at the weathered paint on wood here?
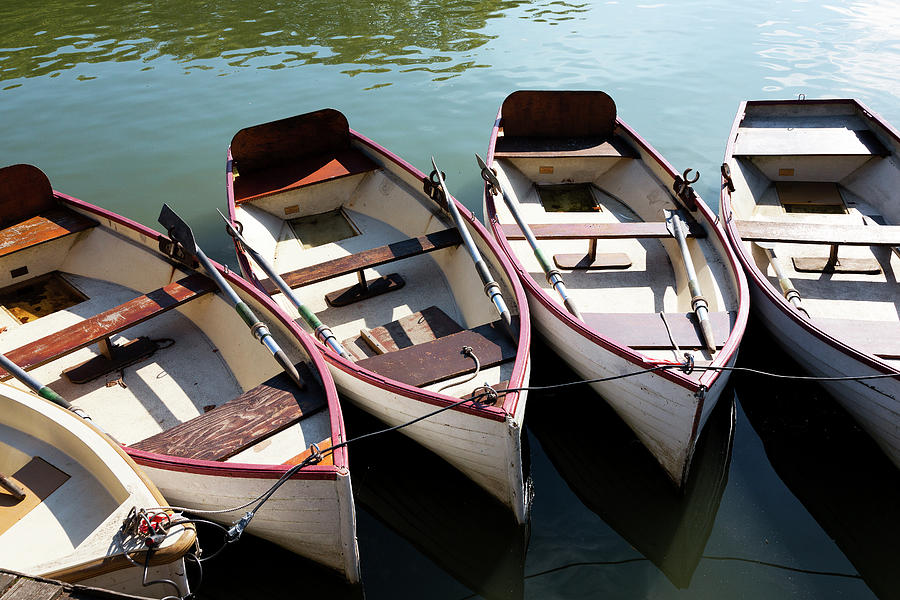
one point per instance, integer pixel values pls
(17, 586)
(440, 359)
(109, 323)
(367, 259)
(587, 231)
(303, 172)
(238, 424)
(50, 225)
(648, 331)
(795, 232)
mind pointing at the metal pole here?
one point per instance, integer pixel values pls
(181, 233)
(698, 302)
(39, 388)
(554, 277)
(491, 287)
(321, 330)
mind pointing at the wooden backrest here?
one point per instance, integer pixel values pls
(284, 141)
(531, 113)
(25, 191)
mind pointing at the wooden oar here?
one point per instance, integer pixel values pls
(787, 287)
(39, 388)
(181, 233)
(491, 287)
(323, 331)
(698, 302)
(554, 277)
(12, 487)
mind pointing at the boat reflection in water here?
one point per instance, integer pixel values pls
(833, 467)
(444, 515)
(609, 470)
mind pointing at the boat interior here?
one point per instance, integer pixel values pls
(365, 248)
(58, 466)
(815, 197)
(142, 344)
(599, 204)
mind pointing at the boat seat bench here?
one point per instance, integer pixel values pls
(49, 225)
(356, 263)
(599, 231)
(594, 232)
(99, 328)
(241, 422)
(442, 358)
(819, 233)
(300, 173)
(647, 331)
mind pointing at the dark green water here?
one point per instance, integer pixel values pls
(130, 104)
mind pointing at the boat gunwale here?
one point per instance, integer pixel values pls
(243, 470)
(508, 408)
(722, 358)
(107, 564)
(760, 280)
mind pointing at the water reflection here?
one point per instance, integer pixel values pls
(834, 468)
(611, 472)
(851, 44)
(55, 36)
(449, 519)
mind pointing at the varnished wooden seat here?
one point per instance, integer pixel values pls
(594, 232)
(647, 331)
(301, 173)
(29, 212)
(99, 328)
(443, 358)
(599, 231)
(241, 422)
(794, 232)
(295, 152)
(373, 257)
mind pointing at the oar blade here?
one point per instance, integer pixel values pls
(177, 228)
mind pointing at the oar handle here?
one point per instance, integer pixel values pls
(12, 487)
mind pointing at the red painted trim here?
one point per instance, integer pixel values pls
(723, 357)
(338, 433)
(517, 379)
(756, 277)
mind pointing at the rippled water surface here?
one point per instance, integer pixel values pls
(130, 104)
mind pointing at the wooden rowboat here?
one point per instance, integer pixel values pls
(78, 488)
(102, 311)
(350, 227)
(600, 201)
(809, 200)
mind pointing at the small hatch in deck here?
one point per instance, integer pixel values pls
(38, 297)
(323, 228)
(820, 197)
(568, 197)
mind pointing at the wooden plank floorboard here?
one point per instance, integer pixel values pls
(442, 358)
(239, 423)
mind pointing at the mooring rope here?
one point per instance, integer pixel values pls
(234, 533)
